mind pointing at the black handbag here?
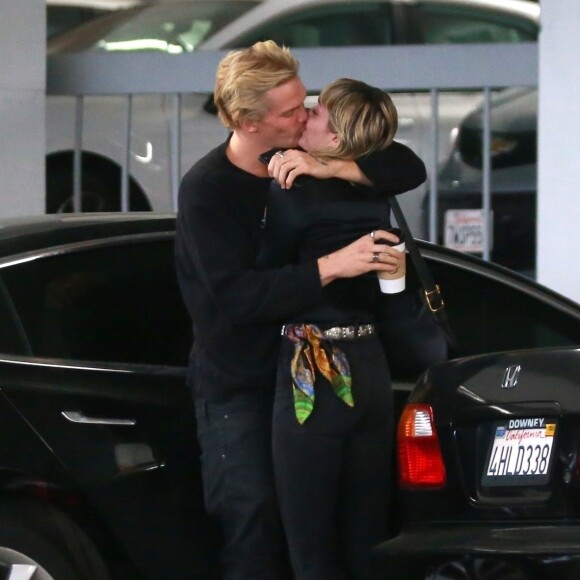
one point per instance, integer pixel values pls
(413, 325)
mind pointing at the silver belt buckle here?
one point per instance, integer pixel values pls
(334, 332)
(349, 332)
(365, 330)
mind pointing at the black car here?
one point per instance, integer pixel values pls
(489, 469)
(99, 474)
(513, 182)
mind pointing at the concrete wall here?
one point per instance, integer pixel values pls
(559, 148)
(22, 87)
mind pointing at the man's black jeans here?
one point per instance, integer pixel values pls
(236, 444)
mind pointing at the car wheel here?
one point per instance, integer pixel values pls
(478, 569)
(38, 542)
(97, 194)
(100, 187)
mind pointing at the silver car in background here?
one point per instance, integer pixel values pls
(180, 26)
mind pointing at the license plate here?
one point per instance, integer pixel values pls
(521, 452)
(463, 230)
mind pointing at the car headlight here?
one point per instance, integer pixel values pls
(507, 150)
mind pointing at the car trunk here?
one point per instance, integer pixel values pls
(509, 433)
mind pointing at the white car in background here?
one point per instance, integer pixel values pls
(177, 26)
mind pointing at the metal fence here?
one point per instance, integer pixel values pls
(482, 67)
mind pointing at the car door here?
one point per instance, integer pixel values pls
(105, 390)
(492, 309)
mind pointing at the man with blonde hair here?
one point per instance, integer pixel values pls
(235, 308)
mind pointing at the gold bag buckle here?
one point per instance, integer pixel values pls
(434, 295)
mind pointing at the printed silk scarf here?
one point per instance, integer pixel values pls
(313, 351)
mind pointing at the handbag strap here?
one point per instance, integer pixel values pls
(431, 290)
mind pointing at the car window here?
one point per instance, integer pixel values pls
(172, 27)
(12, 340)
(59, 19)
(456, 24)
(115, 304)
(356, 24)
(489, 316)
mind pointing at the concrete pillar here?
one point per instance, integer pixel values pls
(22, 87)
(558, 232)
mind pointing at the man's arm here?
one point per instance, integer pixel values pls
(358, 258)
(393, 170)
(214, 251)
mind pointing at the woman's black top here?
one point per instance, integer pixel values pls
(314, 220)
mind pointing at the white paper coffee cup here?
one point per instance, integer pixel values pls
(391, 283)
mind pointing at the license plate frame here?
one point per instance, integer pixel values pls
(463, 230)
(520, 452)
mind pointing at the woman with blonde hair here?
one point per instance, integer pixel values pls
(333, 411)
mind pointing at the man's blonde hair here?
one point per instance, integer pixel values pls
(364, 117)
(245, 76)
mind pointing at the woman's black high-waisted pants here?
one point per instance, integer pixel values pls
(333, 473)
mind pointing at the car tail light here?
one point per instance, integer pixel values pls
(420, 459)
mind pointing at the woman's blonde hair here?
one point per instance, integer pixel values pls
(245, 76)
(364, 117)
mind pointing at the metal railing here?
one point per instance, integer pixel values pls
(437, 68)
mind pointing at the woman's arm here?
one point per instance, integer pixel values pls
(393, 170)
